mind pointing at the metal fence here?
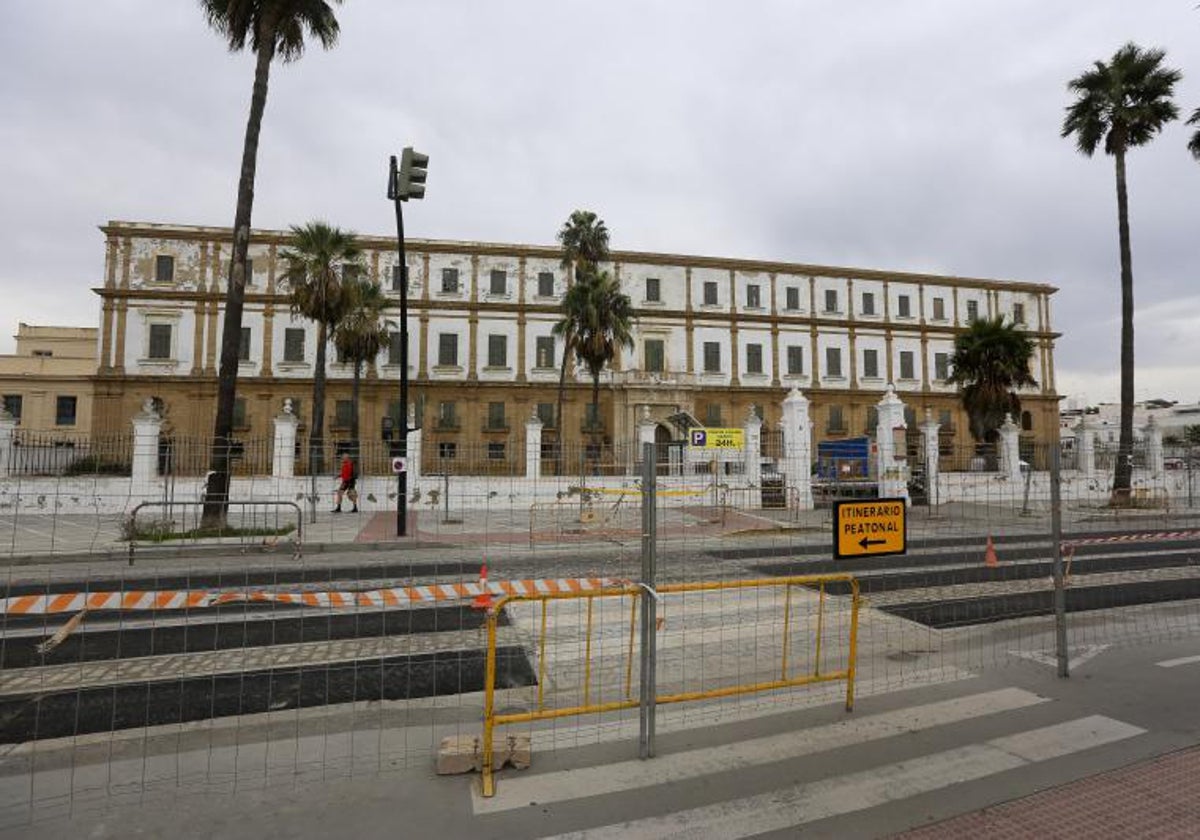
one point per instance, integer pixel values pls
(226, 662)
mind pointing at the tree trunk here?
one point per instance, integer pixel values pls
(595, 419)
(559, 425)
(1123, 475)
(354, 390)
(316, 442)
(216, 492)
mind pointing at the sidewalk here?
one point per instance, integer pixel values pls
(1159, 798)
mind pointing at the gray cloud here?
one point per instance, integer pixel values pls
(915, 136)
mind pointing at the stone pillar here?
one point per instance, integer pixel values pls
(797, 447)
(753, 450)
(283, 454)
(7, 426)
(646, 429)
(1154, 448)
(929, 438)
(146, 428)
(892, 466)
(1085, 445)
(414, 447)
(533, 446)
(1010, 449)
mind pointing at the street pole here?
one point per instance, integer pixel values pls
(402, 476)
(648, 697)
(1060, 592)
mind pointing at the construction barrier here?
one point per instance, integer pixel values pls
(628, 700)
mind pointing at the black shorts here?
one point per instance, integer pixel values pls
(348, 484)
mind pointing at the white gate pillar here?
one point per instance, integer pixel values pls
(753, 453)
(929, 438)
(7, 426)
(414, 447)
(892, 465)
(797, 448)
(147, 426)
(1010, 449)
(1085, 439)
(1154, 448)
(533, 445)
(283, 454)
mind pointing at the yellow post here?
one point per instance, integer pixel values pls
(487, 783)
(820, 628)
(587, 655)
(787, 620)
(542, 657)
(852, 663)
(633, 600)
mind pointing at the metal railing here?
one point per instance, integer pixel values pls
(133, 530)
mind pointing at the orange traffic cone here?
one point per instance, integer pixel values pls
(989, 557)
(483, 601)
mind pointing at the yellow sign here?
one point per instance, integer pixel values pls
(717, 438)
(871, 527)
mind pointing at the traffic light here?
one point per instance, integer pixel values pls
(410, 180)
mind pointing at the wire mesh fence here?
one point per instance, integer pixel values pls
(235, 661)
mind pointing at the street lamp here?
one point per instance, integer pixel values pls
(404, 182)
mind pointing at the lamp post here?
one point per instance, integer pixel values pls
(404, 182)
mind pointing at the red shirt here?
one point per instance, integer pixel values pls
(347, 470)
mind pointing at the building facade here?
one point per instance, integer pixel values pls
(47, 384)
(714, 339)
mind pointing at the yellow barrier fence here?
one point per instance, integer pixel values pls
(788, 673)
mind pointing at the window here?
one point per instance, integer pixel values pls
(498, 351)
(164, 269)
(710, 293)
(545, 413)
(239, 413)
(447, 450)
(1026, 421)
(939, 309)
(499, 282)
(753, 297)
(906, 364)
(754, 358)
(795, 361)
(351, 271)
(449, 281)
(831, 300)
(545, 284)
(447, 415)
(1018, 313)
(868, 303)
(653, 290)
(712, 415)
(395, 349)
(837, 419)
(293, 344)
(64, 411)
(448, 349)
(972, 310)
(870, 364)
(655, 355)
(792, 299)
(941, 366)
(904, 306)
(544, 352)
(946, 419)
(244, 345)
(591, 417)
(12, 404)
(833, 361)
(496, 451)
(495, 416)
(343, 413)
(397, 274)
(712, 357)
(160, 341)
(872, 426)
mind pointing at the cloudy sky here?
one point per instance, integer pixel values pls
(916, 136)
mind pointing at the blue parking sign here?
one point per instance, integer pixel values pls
(699, 437)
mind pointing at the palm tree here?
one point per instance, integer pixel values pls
(584, 240)
(271, 28)
(362, 334)
(990, 360)
(312, 272)
(606, 324)
(1194, 143)
(1125, 103)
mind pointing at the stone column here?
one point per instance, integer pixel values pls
(797, 447)
(1010, 449)
(146, 428)
(1085, 444)
(1154, 448)
(7, 425)
(414, 447)
(753, 450)
(533, 446)
(929, 438)
(646, 428)
(283, 454)
(892, 466)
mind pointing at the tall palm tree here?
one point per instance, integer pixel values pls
(271, 28)
(990, 361)
(1123, 103)
(361, 335)
(606, 324)
(584, 240)
(313, 262)
(1194, 143)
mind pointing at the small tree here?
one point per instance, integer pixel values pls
(990, 361)
(361, 335)
(604, 322)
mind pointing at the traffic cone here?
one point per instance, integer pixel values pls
(989, 557)
(483, 601)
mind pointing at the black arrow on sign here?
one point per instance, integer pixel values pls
(866, 543)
